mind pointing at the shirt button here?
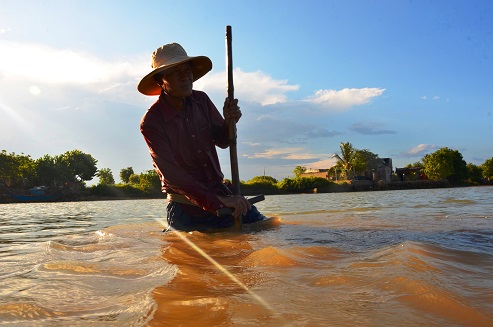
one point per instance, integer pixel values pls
(200, 151)
(205, 165)
(193, 135)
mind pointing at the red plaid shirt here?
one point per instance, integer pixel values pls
(183, 144)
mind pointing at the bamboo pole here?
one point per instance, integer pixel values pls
(233, 154)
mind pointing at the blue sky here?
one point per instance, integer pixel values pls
(399, 78)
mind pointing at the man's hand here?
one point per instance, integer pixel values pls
(237, 202)
(231, 110)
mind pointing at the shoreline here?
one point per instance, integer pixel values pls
(354, 186)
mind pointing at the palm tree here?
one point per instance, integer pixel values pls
(345, 160)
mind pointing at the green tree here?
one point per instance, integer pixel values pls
(6, 168)
(474, 173)
(105, 176)
(81, 165)
(51, 172)
(487, 167)
(303, 184)
(365, 160)
(25, 170)
(149, 181)
(125, 174)
(417, 164)
(262, 180)
(447, 164)
(345, 160)
(16, 170)
(298, 170)
(134, 179)
(260, 185)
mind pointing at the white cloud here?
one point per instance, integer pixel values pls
(283, 153)
(345, 98)
(370, 128)
(252, 144)
(63, 75)
(322, 164)
(420, 149)
(436, 97)
(40, 63)
(256, 86)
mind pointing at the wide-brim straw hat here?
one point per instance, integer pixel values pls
(167, 57)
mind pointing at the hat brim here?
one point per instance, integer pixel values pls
(201, 65)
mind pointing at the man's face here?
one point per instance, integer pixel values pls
(178, 81)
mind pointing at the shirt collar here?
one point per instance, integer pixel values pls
(170, 113)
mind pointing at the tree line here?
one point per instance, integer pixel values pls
(77, 167)
(72, 167)
(22, 171)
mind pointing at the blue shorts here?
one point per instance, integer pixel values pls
(180, 220)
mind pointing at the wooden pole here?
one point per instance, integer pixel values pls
(235, 175)
(233, 155)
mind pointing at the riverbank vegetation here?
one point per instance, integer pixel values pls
(71, 170)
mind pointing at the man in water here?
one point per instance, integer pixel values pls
(182, 129)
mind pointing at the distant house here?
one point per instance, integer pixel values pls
(323, 173)
(409, 174)
(383, 171)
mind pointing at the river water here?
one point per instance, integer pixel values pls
(396, 258)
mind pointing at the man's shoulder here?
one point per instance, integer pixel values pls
(152, 112)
